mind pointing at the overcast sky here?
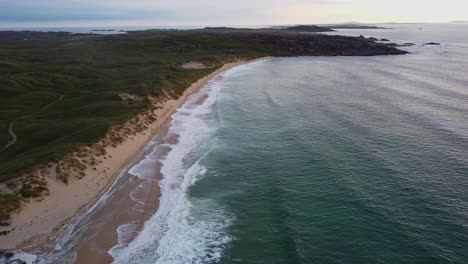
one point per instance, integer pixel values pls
(224, 12)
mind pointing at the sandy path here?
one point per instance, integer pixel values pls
(12, 134)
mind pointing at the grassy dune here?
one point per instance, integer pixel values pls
(87, 72)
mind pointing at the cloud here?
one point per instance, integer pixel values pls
(228, 12)
(158, 10)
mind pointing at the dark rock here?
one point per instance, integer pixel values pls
(8, 255)
(373, 39)
(384, 39)
(17, 261)
(432, 44)
(407, 44)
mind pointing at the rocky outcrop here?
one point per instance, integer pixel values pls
(432, 44)
(323, 45)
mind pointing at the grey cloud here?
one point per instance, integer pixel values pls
(163, 10)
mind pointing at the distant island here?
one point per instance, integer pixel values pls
(104, 30)
(308, 28)
(352, 26)
(227, 29)
(298, 28)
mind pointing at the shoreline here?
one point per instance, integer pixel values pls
(39, 223)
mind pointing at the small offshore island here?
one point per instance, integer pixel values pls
(76, 108)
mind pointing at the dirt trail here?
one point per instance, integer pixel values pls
(12, 134)
(14, 138)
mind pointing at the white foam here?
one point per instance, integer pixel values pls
(139, 195)
(145, 168)
(20, 257)
(126, 232)
(182, 230)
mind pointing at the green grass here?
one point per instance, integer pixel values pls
(89, 71)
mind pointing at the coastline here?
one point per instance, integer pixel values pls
(40, 222)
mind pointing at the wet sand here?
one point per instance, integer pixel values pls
(120, 210)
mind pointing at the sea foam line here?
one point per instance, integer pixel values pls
(174, 234)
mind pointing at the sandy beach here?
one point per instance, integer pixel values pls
(40, 222)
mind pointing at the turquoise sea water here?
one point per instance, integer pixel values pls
(321, 160)
(316, 160)
(348, 170)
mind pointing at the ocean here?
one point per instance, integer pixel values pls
(322, 160)
(315, 160)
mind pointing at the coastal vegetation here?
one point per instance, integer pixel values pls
(63, 93)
